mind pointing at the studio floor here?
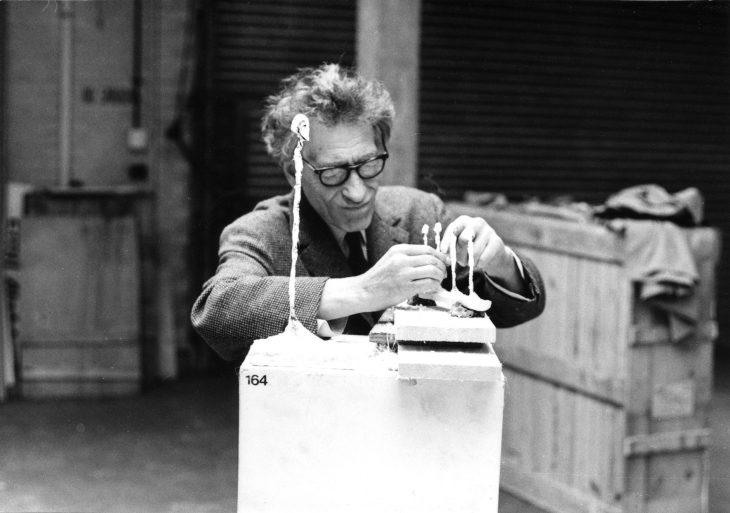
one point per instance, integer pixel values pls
(173, 450)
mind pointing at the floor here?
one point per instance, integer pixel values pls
(173, 450)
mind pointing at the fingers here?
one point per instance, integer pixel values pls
(494, 248)
(433, 272)
(426, 260)
(487, 244)
(459, 228)
(424, 286)
(463, 228)
(420, 250)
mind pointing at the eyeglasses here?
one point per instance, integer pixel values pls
(337, 175)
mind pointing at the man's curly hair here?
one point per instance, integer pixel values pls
(331, 94)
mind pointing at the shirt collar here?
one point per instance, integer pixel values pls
(339, 235)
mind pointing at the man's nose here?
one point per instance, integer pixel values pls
(354, 189)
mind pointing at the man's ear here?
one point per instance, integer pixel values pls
(289, 173)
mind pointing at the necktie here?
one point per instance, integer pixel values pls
(357, 261)
(356, 324)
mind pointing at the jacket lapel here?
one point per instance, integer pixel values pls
(383, 233)
(318, 250)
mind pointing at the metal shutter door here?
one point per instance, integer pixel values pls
(547, 98)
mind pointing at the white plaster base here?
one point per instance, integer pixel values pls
(340, 432)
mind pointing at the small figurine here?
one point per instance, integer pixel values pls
(470, 257)
(452, 254)
(300, 126)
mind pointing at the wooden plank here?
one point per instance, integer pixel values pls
(583, 445)
(617, 469)
(550, 495)
(6, 338)
(76, 388)
(9, 346)
(639, 391)
(653, 329)
(676, 482)
(81, 362)
(448, 363)
(517, 388)
(541, 424)
(566, 436)
(586, 332)
(584, 240)
(635, 483)
(681, 386)
(438, 326)
(690, 440)
(383, 334)
(561, 373)
(511, 420)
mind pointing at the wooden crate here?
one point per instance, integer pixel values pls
(602, 412)
(79, 307)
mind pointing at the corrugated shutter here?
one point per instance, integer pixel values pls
(255, 45)
(555, 98)
(250, 46)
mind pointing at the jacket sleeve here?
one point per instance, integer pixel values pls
(245, 300)
(511, 309)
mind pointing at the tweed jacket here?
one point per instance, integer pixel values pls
(248, 299)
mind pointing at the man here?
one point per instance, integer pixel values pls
(360, 245)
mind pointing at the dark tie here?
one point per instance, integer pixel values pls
(356, 324)
(357, 261)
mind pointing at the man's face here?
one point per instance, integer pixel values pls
(349, 206)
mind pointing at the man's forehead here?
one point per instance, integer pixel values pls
(343, 141)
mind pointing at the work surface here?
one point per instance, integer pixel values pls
(173, 450)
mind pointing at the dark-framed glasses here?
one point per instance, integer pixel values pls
(337, 175)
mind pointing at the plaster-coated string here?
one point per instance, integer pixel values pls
(452, 255)
(300, 126)
(470, 255)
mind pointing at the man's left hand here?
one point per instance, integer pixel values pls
(491, 255)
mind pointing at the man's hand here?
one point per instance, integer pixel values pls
(404, 271)
(490, 253)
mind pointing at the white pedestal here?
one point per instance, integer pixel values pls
(335, 428)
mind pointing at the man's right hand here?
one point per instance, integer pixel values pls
(404, 271)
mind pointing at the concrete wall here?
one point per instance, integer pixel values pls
(388, 44)
(166, 23)
(101, 112)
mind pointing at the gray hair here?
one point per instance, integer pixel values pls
(331, 94)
